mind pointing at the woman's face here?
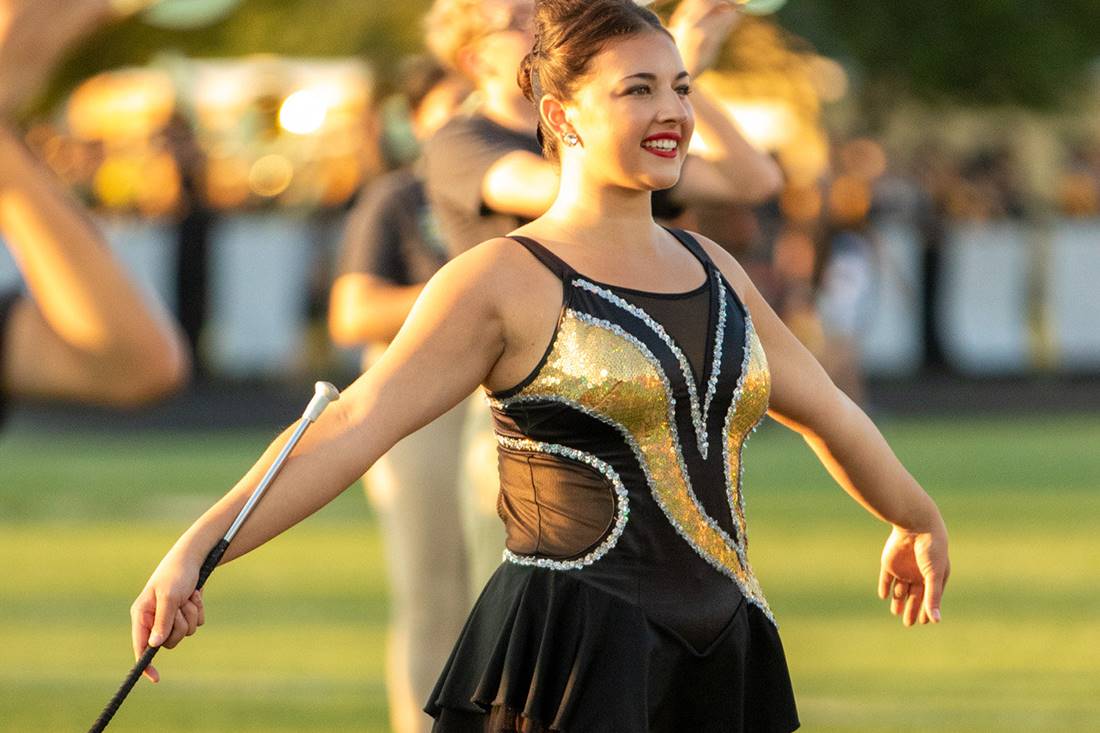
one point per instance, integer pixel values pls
(632, 114)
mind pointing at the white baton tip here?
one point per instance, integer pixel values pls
(323, 393)
(328, 390)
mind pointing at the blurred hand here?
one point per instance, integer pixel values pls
(915, 568)
(36, 34)
(167, 610)
(700, 28)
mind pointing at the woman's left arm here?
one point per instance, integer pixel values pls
(915, 564)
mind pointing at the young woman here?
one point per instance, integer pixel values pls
(625, 365)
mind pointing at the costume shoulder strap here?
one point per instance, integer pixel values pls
(552, 262)
(692, 244)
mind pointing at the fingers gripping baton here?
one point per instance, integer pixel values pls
(323, 394)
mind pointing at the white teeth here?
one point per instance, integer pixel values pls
(665, 144)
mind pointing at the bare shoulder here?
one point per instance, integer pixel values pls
(525, 299)
(501, 279)
(500, 265)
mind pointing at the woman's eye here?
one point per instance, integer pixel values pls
(683, 90)
(638, 90)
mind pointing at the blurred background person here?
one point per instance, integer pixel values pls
(847, 267)
(82, 331)
(1079, 183)
(391, 247)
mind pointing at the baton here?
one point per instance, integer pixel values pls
(323, 394)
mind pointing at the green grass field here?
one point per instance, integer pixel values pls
(295, 632)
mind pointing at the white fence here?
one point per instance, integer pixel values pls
(1013, 297)
(260, 265)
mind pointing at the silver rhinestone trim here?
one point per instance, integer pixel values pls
(698, 417)
(746, 357)
(621, 500)
(719, 340)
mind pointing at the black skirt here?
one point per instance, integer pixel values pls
(545, 651)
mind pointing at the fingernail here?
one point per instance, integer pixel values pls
(155, 639)
(936, 614)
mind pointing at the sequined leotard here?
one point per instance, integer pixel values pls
(626, 601)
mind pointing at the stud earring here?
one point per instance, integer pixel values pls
(571, 139)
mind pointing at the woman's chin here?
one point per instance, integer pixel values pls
(659, 182)
(646, 180)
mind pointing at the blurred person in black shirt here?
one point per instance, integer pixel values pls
(391, 247)
(392, 244)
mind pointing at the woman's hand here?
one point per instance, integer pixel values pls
(167, 610)
(700, 28)
(914, 572)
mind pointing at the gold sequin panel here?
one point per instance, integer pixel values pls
(605, 371)
(747, 410)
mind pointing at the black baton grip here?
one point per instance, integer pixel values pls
(123, 690)
(208, 565)
(211, 562)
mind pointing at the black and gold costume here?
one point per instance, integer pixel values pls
(626, 601)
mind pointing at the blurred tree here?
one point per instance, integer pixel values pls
(977, 52)
(377, 30)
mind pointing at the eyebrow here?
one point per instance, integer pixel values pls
(652, 77)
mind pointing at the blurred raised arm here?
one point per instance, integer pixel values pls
(731, 170)
(85, 333)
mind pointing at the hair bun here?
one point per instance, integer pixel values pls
(523, 77)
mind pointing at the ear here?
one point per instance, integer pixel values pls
(553, 114)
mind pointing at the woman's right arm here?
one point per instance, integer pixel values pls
(452, 339)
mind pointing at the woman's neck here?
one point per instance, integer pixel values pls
(587, 212)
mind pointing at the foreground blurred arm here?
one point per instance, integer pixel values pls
(449, 344)
(915, 564)
(86, 333)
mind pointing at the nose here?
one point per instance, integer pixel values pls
(674, 109)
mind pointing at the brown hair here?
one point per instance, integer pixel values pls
(568, 34)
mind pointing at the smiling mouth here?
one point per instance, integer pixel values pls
(664, 147)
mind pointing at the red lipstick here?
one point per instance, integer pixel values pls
(663, 150)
